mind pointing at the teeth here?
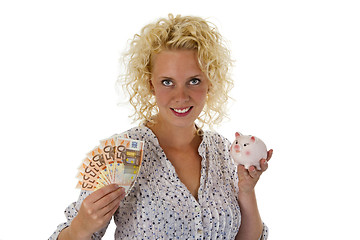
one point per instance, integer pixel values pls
(184, 110)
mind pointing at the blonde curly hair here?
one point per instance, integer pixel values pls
(180, 32)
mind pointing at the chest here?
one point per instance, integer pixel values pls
(157, 197)
(187, 164)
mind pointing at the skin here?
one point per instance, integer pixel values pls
(177, 83)
(251, 223)
(177, 68)
(95, 213)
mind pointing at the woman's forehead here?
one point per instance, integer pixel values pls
(173, 60)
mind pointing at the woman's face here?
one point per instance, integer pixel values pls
(179, 86)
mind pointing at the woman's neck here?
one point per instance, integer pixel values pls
(175, 137)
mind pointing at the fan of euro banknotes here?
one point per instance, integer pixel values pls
(116, 160)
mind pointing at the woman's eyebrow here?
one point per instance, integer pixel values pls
(166, 77)
(194, 76)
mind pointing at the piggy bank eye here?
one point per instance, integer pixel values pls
(236, 142)
(245, 144)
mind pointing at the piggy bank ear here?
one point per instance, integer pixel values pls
(252, 139)
(237, 134)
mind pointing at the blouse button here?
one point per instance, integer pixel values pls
(197, 209)
(199, 231)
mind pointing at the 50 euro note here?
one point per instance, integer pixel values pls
(116, 160)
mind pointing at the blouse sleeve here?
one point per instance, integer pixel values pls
(265, 232)
(70, 213)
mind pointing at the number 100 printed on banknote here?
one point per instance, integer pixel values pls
(116, 160)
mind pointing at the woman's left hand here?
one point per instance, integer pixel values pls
(249, 177)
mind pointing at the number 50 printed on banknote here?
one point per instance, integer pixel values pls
(116, 160)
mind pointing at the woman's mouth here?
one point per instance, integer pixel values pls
(181, 112)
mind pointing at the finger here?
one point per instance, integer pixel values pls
(253, 172)
(100, 193)
(111, 207)
(108, 198)
(263, 165)
(114, 206)
(102, 217)
(269, 154)
(242, 171)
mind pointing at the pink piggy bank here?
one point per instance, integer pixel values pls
(248, 150)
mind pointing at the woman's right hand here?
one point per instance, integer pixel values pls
(96, 211)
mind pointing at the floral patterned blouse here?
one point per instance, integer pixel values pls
(159, 206)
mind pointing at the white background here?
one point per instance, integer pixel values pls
(296, 73)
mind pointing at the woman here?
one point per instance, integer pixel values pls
(188, 187)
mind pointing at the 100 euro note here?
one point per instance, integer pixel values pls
(116, 160)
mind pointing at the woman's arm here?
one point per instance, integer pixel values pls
(72, 232)
(251, 224)
(94, 214)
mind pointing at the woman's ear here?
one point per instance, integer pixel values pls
(151, 87)
(209, 88)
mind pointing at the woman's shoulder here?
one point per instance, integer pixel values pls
(218, 147)
(140, 132)
(137, 130)
(215, 137)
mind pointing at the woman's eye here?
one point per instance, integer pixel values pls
(194, 81)
(167, 82)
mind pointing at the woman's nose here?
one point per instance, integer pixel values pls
(181, 95)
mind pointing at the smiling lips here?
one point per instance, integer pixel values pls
(181, 112)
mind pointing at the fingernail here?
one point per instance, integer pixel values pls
(121, 189)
